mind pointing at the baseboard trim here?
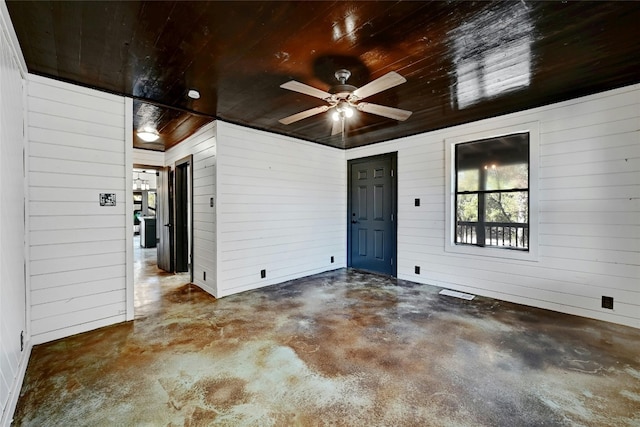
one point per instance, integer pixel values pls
(14, 393)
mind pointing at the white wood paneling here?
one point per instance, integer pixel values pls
(59, 138)
(77, 248)
(589, 210)
(202, 145)
(281, 208)
(148, 157)
(76, 277)
(13, 315)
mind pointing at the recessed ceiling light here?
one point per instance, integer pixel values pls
(148, 135)
(193, 94)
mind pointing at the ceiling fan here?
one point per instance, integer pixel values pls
(345, 97)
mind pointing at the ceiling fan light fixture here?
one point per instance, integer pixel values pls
(148, 135)
(348, 112)
(193, 94)
(335, 116)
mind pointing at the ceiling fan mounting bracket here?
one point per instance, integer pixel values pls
(342, 76)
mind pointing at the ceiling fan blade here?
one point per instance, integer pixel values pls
(380, 84)
(381, 110)
(306, 89)
(303, 115)
(336, 128)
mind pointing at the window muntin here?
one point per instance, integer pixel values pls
(492, 192)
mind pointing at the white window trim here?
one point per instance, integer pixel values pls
(533, 128)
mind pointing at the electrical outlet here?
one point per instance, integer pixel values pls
(417, 269)
(263, 274)
(331, 259)
(417, 202)
(607, 302)
(204, 275)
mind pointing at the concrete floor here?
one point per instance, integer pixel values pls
(339, 348)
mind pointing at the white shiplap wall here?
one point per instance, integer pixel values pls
(589, 210)
(202, 145)
(13, 360)
(281, 207)
(77, 247)
(148, 157)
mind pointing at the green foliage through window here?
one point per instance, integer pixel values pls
(492, 192)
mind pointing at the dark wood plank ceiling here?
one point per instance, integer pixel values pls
(172, 125)
(463, 61)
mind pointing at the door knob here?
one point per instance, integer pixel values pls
(353, 221)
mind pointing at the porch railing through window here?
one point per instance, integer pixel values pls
(496, 234)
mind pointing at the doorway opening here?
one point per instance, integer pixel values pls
(144, 207)
(372, 214)
(144, 236)
(162, 231)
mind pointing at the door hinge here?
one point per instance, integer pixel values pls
(392, 172)
(391, 261)
(22, 341)
(391, 217)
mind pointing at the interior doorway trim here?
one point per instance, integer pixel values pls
(128, 208)
(184, 165)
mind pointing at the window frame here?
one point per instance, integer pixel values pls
(533, 129)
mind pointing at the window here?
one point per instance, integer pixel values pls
(492, 192)
(151, 202)
(492, 205)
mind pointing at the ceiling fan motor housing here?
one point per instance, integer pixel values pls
(342, 89)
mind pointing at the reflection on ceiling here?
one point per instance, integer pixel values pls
(345, 29)
(492, 57)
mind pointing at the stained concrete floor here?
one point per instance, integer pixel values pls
(339, 348)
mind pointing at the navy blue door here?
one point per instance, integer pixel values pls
(372, 214)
